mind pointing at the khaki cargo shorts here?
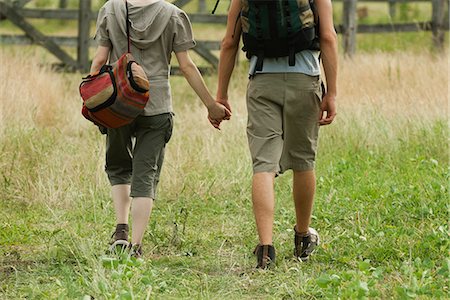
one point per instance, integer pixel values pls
(283, 114)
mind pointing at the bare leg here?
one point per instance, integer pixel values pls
(122, 201)
(263, 197)
(140, 212)
(303, 190)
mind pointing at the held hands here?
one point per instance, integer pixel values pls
(327, 110)
(218, 112)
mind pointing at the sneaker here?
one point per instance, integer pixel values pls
(305, 244)
(265, 256)
(135, 250)
(119, 239)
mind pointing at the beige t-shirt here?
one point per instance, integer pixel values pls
(156, 31)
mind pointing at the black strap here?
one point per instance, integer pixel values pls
(128, 27)
(291, 56)
(259, 34)
(260, 61)
(215, 7)
(287, 15)
(259, 30)
(291, 42)
(272, 10)
(235, 24)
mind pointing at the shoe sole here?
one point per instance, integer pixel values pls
(120, 245)
(305, 259)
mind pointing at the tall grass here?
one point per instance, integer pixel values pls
(381, 205)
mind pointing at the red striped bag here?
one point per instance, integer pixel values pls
(118, 93)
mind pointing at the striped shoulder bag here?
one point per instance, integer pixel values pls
(118, 93)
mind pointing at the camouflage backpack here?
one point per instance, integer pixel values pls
(278, 28)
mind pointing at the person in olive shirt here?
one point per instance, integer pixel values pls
(135, 152)
(285, 109)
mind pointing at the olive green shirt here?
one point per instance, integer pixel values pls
(156, 31)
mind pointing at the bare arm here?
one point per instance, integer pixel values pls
(228, 51)
(328, 47)
(195, 80)
(100, 58)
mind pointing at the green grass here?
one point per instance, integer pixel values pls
(381, 209)
(381, 205)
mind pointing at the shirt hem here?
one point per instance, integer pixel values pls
(157, 112)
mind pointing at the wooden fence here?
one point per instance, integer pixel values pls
(438, 24)
(15, 11)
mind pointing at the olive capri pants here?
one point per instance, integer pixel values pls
(135, 153)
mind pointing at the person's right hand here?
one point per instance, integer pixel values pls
(327, 110)
(224, 102)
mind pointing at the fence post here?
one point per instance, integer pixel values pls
(201, 6)
(349, 27)
(63, 4)
(84, 22)
(392, 8)
(437, 23)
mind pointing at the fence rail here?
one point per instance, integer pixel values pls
(72, 14)
(14, 11)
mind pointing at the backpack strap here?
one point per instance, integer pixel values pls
(260, 60)
(316, 42)
(273, 26)
(259, 33)
(291, 42)
(235, 24)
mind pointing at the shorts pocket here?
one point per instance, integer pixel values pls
(320, 91)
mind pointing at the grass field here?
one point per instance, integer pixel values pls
(381, 205)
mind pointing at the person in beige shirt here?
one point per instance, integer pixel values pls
(135, 152)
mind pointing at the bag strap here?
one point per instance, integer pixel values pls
(215, 7)
(128, 27)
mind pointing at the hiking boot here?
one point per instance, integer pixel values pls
(305, 244)
(265, 256)
(135, 250)
(119, 239)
